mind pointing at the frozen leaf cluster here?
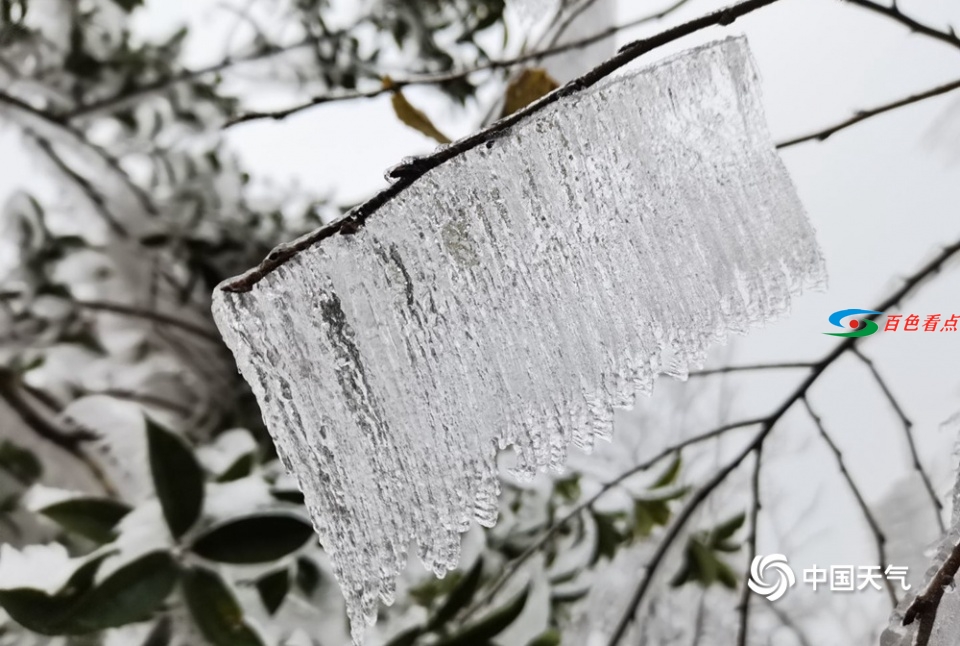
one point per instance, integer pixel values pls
(514, 296)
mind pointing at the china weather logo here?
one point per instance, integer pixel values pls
(858, 327)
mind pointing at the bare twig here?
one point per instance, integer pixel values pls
(863, 115)
(744, 606)
(150, 315)
(751, 368)
(143, 398)
(925, 606)
(908, 433)
(893, 11)
(905, 290)
(406, 174)
(878, 534)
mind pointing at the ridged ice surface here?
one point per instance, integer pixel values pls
(514, 296)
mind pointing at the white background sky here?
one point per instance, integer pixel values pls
(882, 196)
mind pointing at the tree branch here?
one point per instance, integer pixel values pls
(750, 368)
(406, 174)
(893, 11)
(863, 115)
(744, 607)
(770, 422)
(150, 315)
(908, 432)
(925, 606)
(878, 534)
(514, 566)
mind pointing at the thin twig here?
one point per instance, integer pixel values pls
(142, 398)
(751, 367)
(150, 315)
(905, 290)
(893, 11)
(908, 432)
(406, 174)
(878, 535)
(744, 606)
(863, 115)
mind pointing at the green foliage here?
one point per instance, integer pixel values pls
(701, 558)
(215, 610)
(129, 594)
(257, 538)
(19, 462)
(177, 478)
(459, 598)
(273, 588)
(93, 518)
(490, 626)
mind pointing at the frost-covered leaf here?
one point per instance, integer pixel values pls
(514, 295)
(177, 478)
(256, 538)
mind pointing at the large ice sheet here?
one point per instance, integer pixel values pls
(514, 296)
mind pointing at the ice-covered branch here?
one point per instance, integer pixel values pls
(924, 607)
(407, 174)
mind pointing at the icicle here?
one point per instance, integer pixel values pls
(513, 296)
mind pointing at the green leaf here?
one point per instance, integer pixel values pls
(568, 488)
(93, 518)
(727, 529)
(609, 536)
(706, 562)
(551, 637)
(288, 495)
(491, 625)
(161, 634)
(273, 588)
(177, 478)
(241, 468)
(128, 5)
(215, 610)
(726, 576)
(459, 598)
(256, 538)
(670, 475)
(19, 462)
(130, 594)
(407, 637)
(308, 576)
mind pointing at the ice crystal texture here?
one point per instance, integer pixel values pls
(514, 296)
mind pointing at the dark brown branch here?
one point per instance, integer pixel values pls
(751, 368)
(893, 11)
(878, 535)
(149, 315)
(925, 606)
(863, 115)
(905, 290)
(908, 432)
(405, 175)
(744, 606)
